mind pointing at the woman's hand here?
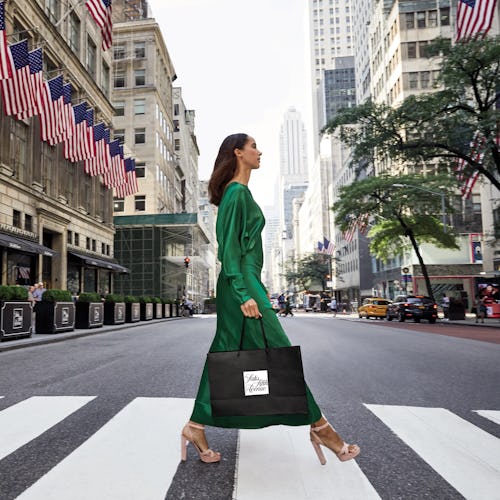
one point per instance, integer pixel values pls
(250, 309)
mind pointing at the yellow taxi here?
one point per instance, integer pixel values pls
(373, 307)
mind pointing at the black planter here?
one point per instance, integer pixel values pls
(54, 317)
(114, 313)
(132, 312)
(157, 311)
(146, 311)
(15, 319)
(89, 314)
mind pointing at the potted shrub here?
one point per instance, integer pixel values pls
(15, 312)
(55, 312)
(157, 308)
(146, 308)
(114, 309)
(132, 309)
(89, 310)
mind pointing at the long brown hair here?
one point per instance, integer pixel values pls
(225, 166)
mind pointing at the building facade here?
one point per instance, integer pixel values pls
(56, 221)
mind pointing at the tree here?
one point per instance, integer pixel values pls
(313, 268)
(400, 217)
(439, 125)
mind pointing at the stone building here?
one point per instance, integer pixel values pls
(56, 221)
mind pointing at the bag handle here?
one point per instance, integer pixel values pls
(243, 333)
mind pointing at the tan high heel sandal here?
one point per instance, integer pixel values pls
(343, 455)
(208, 456)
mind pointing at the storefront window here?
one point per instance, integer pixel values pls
(20, 269)
(73, 278)
(90, 280)
(104, 281)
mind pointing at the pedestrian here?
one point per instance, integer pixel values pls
(38, 292)
(240, 294)
(445, 303)
(333, 306)
(480, 309)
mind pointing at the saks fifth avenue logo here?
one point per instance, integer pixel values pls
(256, 383)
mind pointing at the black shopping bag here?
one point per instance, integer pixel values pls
(253, 382)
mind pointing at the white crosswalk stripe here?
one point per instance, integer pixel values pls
(492, 415)
(136, 453)
(464, 455)
(279, 463)
(21, 423)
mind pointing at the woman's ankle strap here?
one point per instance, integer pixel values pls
(321, 427)
(196, 426)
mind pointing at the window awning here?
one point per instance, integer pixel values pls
(89, 260)
(23, 245)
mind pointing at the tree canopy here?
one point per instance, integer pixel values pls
(438, 125)
(402, 212)
(308, 270)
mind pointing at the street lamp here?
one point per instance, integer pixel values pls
(439, 193)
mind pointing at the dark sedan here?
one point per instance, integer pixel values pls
(415, 307)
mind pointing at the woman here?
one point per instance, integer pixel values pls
(241, 293)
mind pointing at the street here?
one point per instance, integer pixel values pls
(99, 417)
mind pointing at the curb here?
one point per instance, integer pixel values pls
(10, 345)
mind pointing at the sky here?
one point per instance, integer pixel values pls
(241, 65)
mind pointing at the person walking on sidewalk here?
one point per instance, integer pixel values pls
(241, 294)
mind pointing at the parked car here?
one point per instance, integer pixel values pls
(373, 307)
(415, 307)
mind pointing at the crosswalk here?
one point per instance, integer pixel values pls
(135, 454)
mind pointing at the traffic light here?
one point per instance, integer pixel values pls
(187, 260)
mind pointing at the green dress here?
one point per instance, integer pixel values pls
(239, 225)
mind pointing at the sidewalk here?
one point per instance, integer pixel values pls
(40, 339)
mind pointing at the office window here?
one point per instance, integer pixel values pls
(140, 203)
(74, 33)
(411, 50)
(413, 80)
(421, 19)
(103, 248)
(120, 79)
(87, 246)
(140, 135)
(16, 219)
(140, 77)
(140, 50)
(410, 20)
(425, 79)
(70, 237)
(119, 108)
(28, 223)
(77, 239)
(177, 144)
(176, 109)
(139, 106)
(105, 79)
(119, 134)
(119, 51)
(422, 49)
(445, 16)
(94, 246)
(119, 205)
(432, 18)
(54, 10)
(140, 169)
(91, 57)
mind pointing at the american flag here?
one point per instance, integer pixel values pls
(101, 12)
(320, 247)
(116, 174)
(80, 145)
(130, 185)
(477, 155)
(474, 18)
(5, 59)
(36, 79)
(101, 162)
(67, 112)
(16, 91)
(50, 105)
(328, 246)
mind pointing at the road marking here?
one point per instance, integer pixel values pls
(24, 421)
(492, 415)
(134, 455)
(463, 454)
(280, 463)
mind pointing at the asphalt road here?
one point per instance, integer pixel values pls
(388, 387)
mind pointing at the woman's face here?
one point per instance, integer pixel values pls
(249, 155)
